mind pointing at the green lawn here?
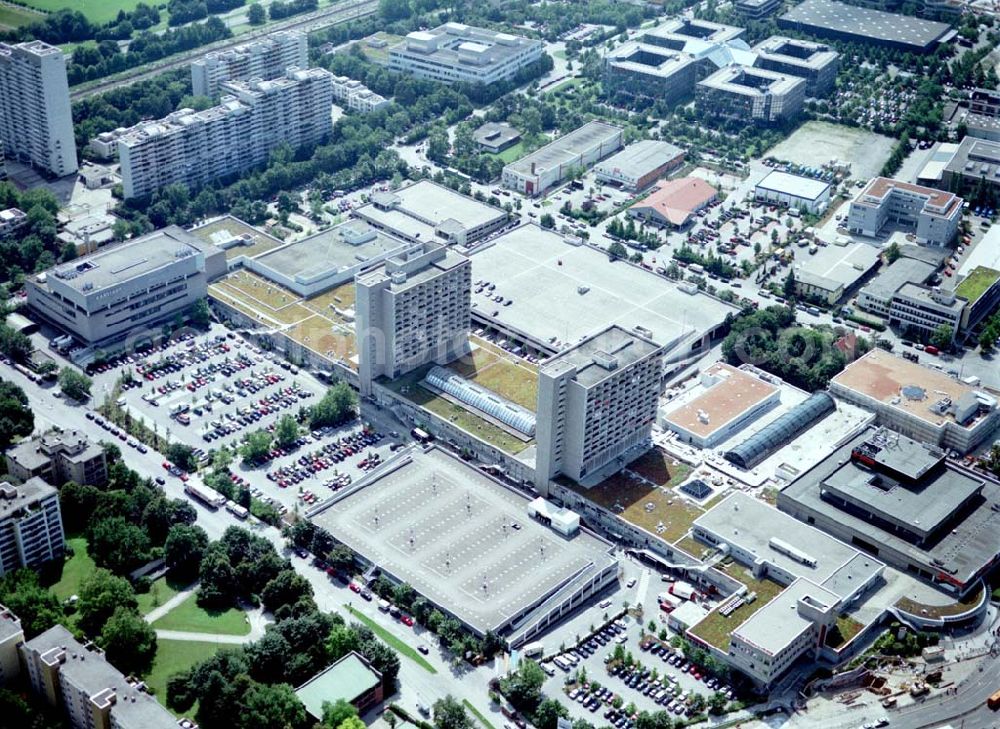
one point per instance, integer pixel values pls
(174, 656)
(392, 641)
(14, 17)
(76, 569)
(97, 11)
(159, 592)
(976, 283)
(512, 153)
(478, 714)
(191, 617)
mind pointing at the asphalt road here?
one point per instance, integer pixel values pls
(308, 22)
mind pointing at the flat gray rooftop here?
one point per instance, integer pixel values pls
(778, 623)
(750, 524)
(615, 346)
(460, 538)
(565, 148)
(874, 25)
(27, 494)
(806, 188)
(331, 250)
(963, 549)
(118, 263)
(564, 293)
(438, 203)
(843, 265)
(640, 158)
(897, 273)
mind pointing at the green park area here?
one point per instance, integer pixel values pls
(12, 16)
(191, 617)
(174, 656)
(76, 569)
(97, 11)
(159, 593)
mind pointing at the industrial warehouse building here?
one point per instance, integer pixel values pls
(470, 545)
(905, 503)
(917, 401)
(640, 164)
(547, 167)
(832, 19)
(802, 193)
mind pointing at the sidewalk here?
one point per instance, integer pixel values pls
(159, 612)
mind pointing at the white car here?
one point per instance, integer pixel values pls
(630, 583)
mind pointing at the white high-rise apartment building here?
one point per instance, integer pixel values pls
(36, 122)
(596, 403)
(31, 530)
(266, 58)
(413, 309)
(254, 117)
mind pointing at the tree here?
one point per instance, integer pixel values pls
(74, 384)
(393, 10)
(548, 713)
(335, 407)
(286, 431)
(334, 714)
(788, 288)
(547, 221)
(199, 314)
(286, 589)
(256, 446)
(16, 417)
(341, 558)
(129, 641)
(892, 252)
(117, 544)
(524, 688)
(717, 703)
(184, 548)
(100, 595)
(616, 250)
(182, 456)
(449, 713)
(37, 608)
(268, 706)
(256, 15)
(942, 337)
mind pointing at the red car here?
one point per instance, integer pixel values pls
(183, 477)
(355, 587)
(406, 620)
(166, 465)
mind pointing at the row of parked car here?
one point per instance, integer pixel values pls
(325, 457)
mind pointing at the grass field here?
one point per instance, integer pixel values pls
(97, 11)
(500, 372)
(76, 569)
(512, 153)
(391, 640)
(12, 16)
(159, 592)
(976, 283)
(174, 656)
(191, 617)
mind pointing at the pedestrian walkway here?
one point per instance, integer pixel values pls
(203, 637)
(158, 612)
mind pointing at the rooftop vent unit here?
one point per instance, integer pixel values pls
(605, 360)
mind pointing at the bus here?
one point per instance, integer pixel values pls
(240, 512)
(421, 436)
(993, 702)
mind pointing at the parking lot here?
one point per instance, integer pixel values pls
(211, 390)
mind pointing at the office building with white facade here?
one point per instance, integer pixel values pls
(103, 298)
(411, 310)
(748, 94)
(801, 193)
(77, 679)
(925, 308)
(31, 529)
(254, 117)
(817, 63)
(877, 294)
(933, 215)
(36, 121)
(457, 53)
(645, 69)
(266, 58)
(596, 405)
(356, 96)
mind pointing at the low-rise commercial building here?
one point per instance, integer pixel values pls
(974, 168)
(877, 294)
(596, 405)
(748, 94)
(547, 167)
(978, 279)
(495, 137)
(426, 211)
(356, 96)
(640, 164)
(675, 203)
(802, 193)
(11, 221)
(917, 401)
(837, 20)
(31, 529)
(351, 679)
(931, 214)
(457, 53)
(817, 63)
(733, 398)
(136, 286)
(77, 679)
(829, 272)
(925, 309)
(905, 503)
(58, 457)
(265, 58)
(253, 118)
(412, 309)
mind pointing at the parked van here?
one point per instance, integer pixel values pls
(384, 605)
